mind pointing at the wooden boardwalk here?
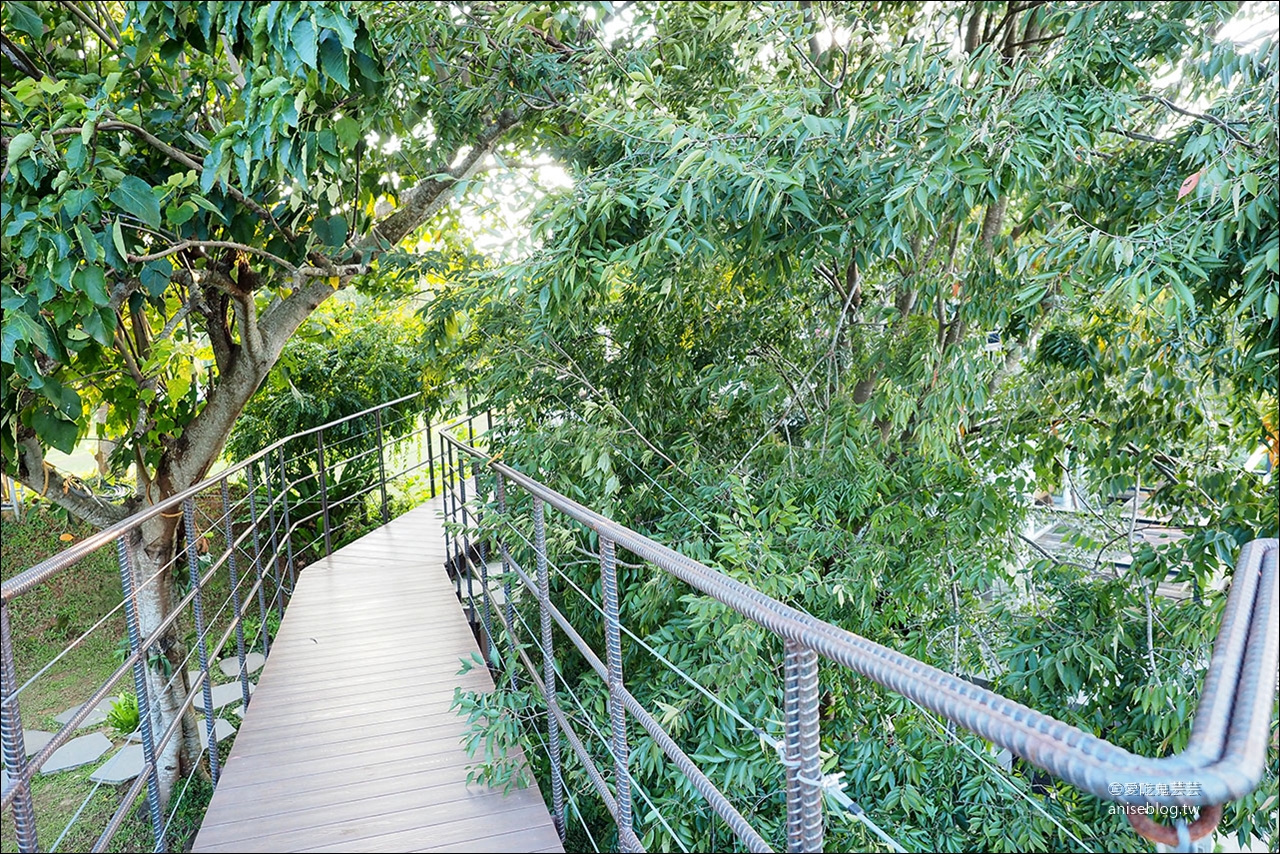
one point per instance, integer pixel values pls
(349, 743)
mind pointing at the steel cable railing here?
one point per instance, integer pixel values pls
(1224, 758)
(242, 536)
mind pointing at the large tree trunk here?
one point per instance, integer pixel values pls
(154, 548)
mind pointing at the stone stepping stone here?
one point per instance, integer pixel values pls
(77, 752)
(97, 716)
(223, 695)
(121, 768)
(230, 667)
(35, 740)
(221, 729)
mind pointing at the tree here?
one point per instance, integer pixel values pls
(837, 287)
(185, 183)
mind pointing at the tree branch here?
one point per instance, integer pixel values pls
(19, 59)
(186, 159)
(425, 198)
(212, 244)
(91, 24)
(1204, 117)
(41, 477)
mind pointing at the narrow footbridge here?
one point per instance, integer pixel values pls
(389, 551)
(349, 743)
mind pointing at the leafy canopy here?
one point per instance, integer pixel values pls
(838, 289)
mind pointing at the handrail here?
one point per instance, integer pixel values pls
(271, 532)
(1223, 761)
(50, 566)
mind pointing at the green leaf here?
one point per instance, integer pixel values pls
(155, 276)
(19, 326)
(22, 18)
(303, 37)
(331, 232)
(100, 329)
(135, 196)
(348, 131)
(333, 61)
(54, 430)
(92, 281)
(18, 147)
(117, 237)
(201, 201)
(179, 214)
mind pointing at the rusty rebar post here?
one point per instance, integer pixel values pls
(235, 589)
(197, 603)
(617, 705)
(804, 767)
(548, 664)
(324, 492)
(124, 559)
(12, 744)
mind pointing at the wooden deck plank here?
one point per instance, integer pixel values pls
(350, 742)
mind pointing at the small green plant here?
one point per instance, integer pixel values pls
(252, 633)
(155, 659)
(123, 717)
(495, 722)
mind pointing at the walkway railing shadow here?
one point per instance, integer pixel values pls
(1224, 758)
(245, 534)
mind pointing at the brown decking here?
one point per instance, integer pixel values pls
(349, 743)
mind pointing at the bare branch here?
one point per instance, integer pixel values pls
(20, 60)
(1204, 117)
(421, 202)
(38, 475)
(212, 244)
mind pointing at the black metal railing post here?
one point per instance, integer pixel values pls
(257, 563)
(288, 527)
(193, 572)
(804, 767)
(277, 596)
(382, 466)
(431, 460)
(508, 607)
(466, 539)
(229, 533)
(124, 559)
(548, 664)
(13, 744)
(446, 496)
(617, 706)
(482, 550)
(324, 492)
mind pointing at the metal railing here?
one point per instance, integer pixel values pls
(1223, 761)
(245, 532)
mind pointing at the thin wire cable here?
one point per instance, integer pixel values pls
(989, 766)
(89, 631)
(75, 817)
(757, 731)
(998, 773)
(177, 802)
(1008, 783)
(600, 735)
(569, 793)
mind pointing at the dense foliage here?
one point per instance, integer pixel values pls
(837, 290)
(185, 183)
